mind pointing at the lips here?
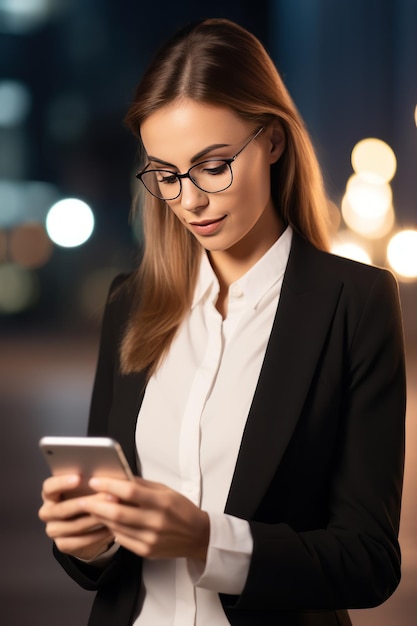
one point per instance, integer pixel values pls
(207, 227)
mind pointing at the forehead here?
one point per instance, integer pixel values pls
(183, 128)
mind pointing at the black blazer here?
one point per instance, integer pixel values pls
(319, 471)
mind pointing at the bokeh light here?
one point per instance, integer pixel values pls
(70, 222)
(345, 245)
(30, 245)
(22, 201)
(3, 246)
(24, 16)
(373, 227)
(10, 203)
(374, 160)
(368, 200)
(402, 253)
(19, 289)
(15, 103)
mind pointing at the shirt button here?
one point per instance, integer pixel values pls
(236, 291)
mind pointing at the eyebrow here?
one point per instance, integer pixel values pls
(195, 158)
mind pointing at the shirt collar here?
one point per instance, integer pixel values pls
(267, 271)
(207, 282)
(256, 282)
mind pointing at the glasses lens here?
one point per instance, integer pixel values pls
(161, 183)
(212, 176)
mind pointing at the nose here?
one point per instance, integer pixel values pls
(192, 198)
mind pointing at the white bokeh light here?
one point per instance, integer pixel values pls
(70, 222)
(402, 253)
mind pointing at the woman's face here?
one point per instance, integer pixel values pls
(241, 220)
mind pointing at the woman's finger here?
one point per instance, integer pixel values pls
(75, 527)
(86, 546)
(138, 492)
(55, 486)
(165, 524)
(68, 509)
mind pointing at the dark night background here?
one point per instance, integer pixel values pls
(351, 67)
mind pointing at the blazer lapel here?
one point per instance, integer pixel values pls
(301, 324)
(127, 399)
(306, 307)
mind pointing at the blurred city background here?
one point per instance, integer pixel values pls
(68, 69)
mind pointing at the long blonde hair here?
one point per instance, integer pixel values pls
(213, 62)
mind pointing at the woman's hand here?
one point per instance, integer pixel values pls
(68, 523)
(150, 519)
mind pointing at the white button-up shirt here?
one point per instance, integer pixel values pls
(189, 430)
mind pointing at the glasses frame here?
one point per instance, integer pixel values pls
(228, 162)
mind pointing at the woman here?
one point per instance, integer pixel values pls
(255, 382)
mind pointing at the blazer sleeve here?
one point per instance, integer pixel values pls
(115, 311)
(108, 358)
(353, 560)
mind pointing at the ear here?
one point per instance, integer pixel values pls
(276, 141)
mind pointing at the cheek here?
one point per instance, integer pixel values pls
(255, 189)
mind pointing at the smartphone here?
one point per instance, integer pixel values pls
(86, 456)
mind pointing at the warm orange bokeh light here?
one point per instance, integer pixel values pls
(30, 245)
(402, 253)
(374, 160)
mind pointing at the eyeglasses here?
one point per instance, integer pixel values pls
(211, 176)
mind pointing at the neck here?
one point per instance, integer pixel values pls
(229, 265)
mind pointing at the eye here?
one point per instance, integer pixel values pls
(165, 177)
(214, 168)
